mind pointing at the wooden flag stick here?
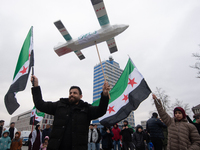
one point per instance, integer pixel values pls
(101, 66)
(100, 61)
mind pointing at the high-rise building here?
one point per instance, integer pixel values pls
(112, 73)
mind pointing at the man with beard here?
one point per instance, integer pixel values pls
(72, 117)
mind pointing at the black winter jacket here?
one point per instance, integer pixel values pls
(70, 126)
(138, 138)
(107, 142)
(154, 127)
(126, 134)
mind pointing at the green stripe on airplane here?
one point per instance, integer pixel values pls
(103, 20)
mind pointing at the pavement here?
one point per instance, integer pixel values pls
(24, 147)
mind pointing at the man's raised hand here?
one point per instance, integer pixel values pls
(34, 80)
(106, 88)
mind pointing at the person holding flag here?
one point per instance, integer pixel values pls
(181, 134)
(72, 116)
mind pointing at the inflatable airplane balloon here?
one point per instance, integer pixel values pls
(106, 33)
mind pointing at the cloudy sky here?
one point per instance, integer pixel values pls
(161, 38)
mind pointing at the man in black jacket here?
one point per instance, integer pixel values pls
(72, 117)
(126, 133)
(154, 128)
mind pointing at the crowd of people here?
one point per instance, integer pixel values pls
(159, 133)
(165, 133)
(10, 139)
(72, 129)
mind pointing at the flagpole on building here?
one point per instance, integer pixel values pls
(101, 66)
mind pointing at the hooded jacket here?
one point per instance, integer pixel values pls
(71, 123)
(5, 142)
(126, 134)
(107, 142)
(139, 137)
(116, 131)
(16, 142)
(181, 134)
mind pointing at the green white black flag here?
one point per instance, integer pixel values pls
(22, 70)
(130, 90)
(36, 116)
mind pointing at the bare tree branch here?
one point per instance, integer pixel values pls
(160, 94)
(179, 103)
(197, 64)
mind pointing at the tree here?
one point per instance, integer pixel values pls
(197, 64)
(169, 108)
(179, 103)
(160, 94)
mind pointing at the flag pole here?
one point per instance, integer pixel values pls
(33, 59)
(33, 123)
(100, 61)
(32, 74)
(101, 66)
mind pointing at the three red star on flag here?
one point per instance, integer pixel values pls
(131, 82)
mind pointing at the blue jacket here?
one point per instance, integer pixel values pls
(154, 127)
(46, 132)
(5, 142)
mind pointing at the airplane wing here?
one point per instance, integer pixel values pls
(112, 45)
(101, 13)
(102, 16)
(59, 25)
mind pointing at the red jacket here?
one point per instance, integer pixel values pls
(116, 132)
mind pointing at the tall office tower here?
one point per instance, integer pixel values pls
(112, 73)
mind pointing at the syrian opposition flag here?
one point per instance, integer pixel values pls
(22, 70)
(36, 116)
(127, 94)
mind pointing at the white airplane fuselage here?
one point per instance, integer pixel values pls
(89, 39)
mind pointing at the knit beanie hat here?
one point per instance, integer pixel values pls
(181, 110)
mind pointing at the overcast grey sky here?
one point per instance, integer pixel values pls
(161, 38)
